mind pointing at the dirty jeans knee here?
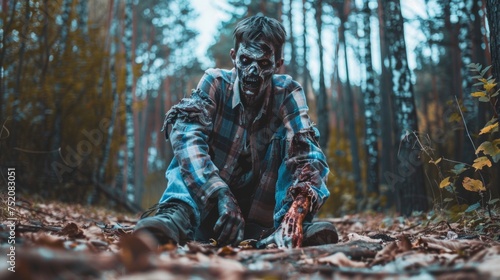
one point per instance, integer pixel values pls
(177, 190)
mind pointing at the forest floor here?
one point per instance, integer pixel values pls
(62, 241)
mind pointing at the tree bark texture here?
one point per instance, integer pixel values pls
(321, 104)
(386, 116)
(293, 65)
(408, 179)
(129, 100)
(371, 110)
(493, 14)
(351, 118)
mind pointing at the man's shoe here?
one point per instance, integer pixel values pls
(171, 223)
(319, 233)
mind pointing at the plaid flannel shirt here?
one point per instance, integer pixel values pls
(209, 132)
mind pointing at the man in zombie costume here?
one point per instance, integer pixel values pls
(247, 164)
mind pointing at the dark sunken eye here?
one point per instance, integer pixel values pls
(264, 63)
(245, 60)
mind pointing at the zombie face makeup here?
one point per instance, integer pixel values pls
(255, 64)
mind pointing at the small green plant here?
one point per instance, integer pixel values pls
(478, 176)
(472, 176)
(488, 152)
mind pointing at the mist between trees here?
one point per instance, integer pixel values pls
(84, 86)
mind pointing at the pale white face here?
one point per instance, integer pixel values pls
(255, 64)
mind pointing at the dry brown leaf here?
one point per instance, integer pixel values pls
(392, 250)
(50, 241)
(340, 259)
(72, 231)
(151, 275)
(446, 246)
(137, 251)
(227, 251)
(195, 247)
(385, 255)
(487, 260)
(355, 237)
(486, 253)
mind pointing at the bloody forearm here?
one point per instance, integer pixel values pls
(292, 222)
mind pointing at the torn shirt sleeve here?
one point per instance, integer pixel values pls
(305, 165)
(188, 126)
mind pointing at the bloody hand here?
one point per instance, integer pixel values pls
(230, 225)
(289, 234)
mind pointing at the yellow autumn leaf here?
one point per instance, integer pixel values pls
(496, 143)
(478, 94)
(488, 128)
(435, 162)
(489, 86)
(446, 182)
(481, 162)
(455, 117)
(473, 185)
(486, 147)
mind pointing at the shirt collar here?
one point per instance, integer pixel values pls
(236, 93)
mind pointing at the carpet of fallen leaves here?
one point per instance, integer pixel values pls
(63, 241)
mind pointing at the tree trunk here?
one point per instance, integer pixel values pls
(292, 66)
(83, 18)
(409, 179)
(22, 48)
(336, 90)
(386, 127)
(129, 100)
(371, 111)
(467, 153)
(7, 22)
(479, 55)
(351, 119)
(322, 104)
(305, 71)
(493, 14)
(106, 149)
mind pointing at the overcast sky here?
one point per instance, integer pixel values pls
(210, 15)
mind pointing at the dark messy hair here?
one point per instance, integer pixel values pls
(260, 27)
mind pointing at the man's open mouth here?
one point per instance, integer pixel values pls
(251, 83)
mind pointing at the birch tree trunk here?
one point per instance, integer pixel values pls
(129, 99)
(371, 111)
